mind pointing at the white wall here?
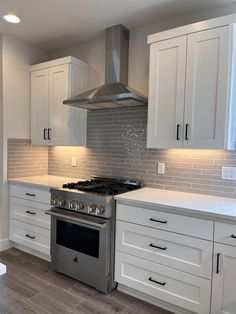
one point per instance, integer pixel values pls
(1, 136)
(16, 58)
(93, 52)
(139, 50)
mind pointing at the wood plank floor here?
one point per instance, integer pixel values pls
(31, 287)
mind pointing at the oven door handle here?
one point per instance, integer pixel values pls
(83, 221)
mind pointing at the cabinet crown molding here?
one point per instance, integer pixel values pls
(59, 61)
(192, 28)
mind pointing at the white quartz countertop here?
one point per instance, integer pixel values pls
(45, 181)
(3, 269)
(189, 203)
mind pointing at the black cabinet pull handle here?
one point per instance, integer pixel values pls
(177, 132)
(218, 263)
(158, 282)
(30, 194)
(44, 134)
(159, 221)
(30, 212)
(158, 247)
(30, 237)
(186, 132)
(233, 236)
(49, 134)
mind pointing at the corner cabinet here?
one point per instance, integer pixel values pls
(53, 123)
(191, 89)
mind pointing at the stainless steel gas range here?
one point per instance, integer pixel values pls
(83, 229)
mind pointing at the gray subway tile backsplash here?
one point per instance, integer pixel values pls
(25, 160)
(116, 147)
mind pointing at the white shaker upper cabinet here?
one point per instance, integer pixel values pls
(224, 280)
(191, 99)
(52, 122)
(166, 93)
(58, 113)
(206, 119)
(39, 106)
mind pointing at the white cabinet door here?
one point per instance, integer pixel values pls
(58, 113)
(77, 126)
(224, 280)
(32, 237)
(166, 93)
(206, 89)
(187, 291)
(52, 122)
(39, 107)
(170, 249)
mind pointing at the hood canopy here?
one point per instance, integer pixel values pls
(115, 93)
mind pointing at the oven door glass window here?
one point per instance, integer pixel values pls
(78, 238)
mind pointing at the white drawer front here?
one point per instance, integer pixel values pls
(178, 251)
(30, 193)
(30, 236)
(194, 227)
(30, 212)
(187, 291)
(225, 233)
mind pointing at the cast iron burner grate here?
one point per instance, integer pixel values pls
(104, 186)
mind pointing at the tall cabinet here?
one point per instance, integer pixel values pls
(191, 89)
(53, 123)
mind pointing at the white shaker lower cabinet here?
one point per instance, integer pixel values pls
(170, 249)
(159, 257)
(29, 225)
(224, 280)
(167, 284)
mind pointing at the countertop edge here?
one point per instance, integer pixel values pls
(202, 214)
(42, 182)
(38, 185)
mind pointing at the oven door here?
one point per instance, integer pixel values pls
(80, 246)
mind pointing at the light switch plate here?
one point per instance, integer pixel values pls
(73, 161)
(228, 173)
(161, 168)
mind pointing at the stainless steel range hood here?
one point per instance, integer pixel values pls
(115, 93)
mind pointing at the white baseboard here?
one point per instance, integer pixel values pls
(31, 251)
(5, 244)
(154, 301)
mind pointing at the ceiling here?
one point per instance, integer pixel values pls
(56, 24)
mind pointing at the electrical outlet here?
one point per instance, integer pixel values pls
(228, 173)
(161, 168)
(73, 161)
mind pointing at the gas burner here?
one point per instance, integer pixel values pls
(93, 197)
(104, 186)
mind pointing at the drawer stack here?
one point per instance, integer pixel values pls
(165, 256)
(29, 225)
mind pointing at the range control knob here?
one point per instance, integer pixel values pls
(61, 202)
(72, 205)
(100, 210)
(80, 205)
(54, 201)
(92, 208)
